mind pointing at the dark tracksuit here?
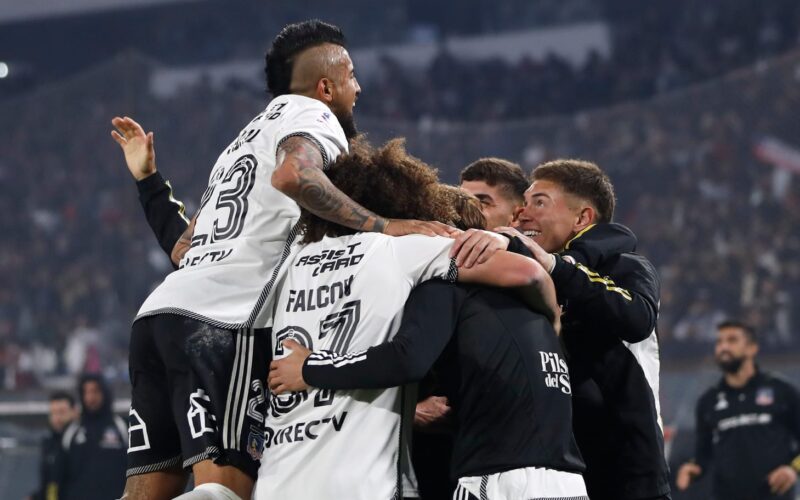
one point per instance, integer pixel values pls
(745, 433)
(94, 452)
(48, 467)
(610, 297)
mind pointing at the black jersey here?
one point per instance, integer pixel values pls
(500, 365)
(610, 297)
(745, 433)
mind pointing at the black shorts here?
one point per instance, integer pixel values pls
(198, 393)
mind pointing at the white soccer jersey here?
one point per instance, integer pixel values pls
(345, 295)
(245, 227)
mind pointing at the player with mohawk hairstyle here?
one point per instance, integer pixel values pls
(197, 341)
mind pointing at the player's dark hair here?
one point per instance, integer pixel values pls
(498, 172)
(583, 179)
(293, 39)
(467, 208)
(748, 330)
(62, 396)
(387, 181)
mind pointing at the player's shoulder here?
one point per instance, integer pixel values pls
(420, 239)
(418, 243)
(298, 104)
(776, 379)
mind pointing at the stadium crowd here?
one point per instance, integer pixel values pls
(654, 52)
(78, 258)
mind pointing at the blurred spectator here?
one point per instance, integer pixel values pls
(710, 213)
(62, 411)
(748, 425)
(94, 458)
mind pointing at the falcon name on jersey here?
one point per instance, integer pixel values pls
(245, 227)
(344, 295)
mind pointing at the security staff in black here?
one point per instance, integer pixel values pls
(62, 411)
(501, 367)
(610, 298)
(748, 426)
(92, 465)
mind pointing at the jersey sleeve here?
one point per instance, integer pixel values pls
(164, 213)
(319, 125)
(628, 308)
(425, 257)
(429, 321)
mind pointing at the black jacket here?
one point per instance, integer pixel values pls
(610, 297)
(48, 467)
(94, 452)
(746, 433)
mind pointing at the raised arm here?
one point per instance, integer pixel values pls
(299, 175)
(165, 215)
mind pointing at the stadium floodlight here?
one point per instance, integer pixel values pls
(3, 69)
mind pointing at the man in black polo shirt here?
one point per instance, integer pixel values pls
(610, 299)
(748, 426)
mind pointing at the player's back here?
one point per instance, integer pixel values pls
(344, 295)
(245, 226)
(505, 373)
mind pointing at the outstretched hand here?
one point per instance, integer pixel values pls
(137, 146)
(286, 374)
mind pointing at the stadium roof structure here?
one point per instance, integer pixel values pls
(25, 10)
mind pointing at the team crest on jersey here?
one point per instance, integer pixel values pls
(110, 439)
(255, 444)
(765, 396)
(722, 402)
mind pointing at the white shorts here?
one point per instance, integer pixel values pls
(531, 483)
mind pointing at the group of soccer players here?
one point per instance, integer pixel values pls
(340, 274)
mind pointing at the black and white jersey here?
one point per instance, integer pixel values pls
(344, 295)
(610, 297)
(245, 226)
(745, 433)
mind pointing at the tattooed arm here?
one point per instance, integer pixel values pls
(299, 176)
(183, 244)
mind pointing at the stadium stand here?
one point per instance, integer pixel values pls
(693, 114)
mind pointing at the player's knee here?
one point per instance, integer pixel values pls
(209, 491)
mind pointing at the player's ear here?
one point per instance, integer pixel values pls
(515, 213)
(586, 217)
(325, 89)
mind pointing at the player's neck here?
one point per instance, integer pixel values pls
(741, 377)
